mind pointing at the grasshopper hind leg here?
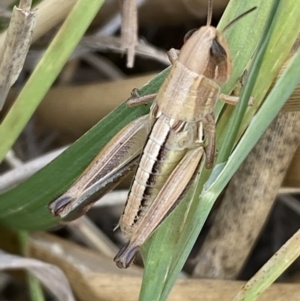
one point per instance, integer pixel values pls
(166, 200)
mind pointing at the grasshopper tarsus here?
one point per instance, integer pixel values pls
(125, 256)
(59, 204)
(135, 93)
(173, 55)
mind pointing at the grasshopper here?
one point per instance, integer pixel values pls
(173, 139)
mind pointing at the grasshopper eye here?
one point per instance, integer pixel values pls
(217, 50)
(189, 34)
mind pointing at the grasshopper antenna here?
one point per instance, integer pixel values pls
(239, 17)
(209, 12)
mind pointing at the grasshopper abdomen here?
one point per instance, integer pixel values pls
(160, 156)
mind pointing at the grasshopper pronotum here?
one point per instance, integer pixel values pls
(171, 139)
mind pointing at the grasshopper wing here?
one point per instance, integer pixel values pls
(105, 172)
(163, 204)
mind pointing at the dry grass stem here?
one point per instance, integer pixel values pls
(291, 202)
(94, 278)
(104, 66)
(114, 44)
(129, 29)
(24, 171)
(92, 236)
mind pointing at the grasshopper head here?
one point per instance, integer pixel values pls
(206, 52)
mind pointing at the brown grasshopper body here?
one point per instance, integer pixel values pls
(174, 130)
(181, 116)
(172, 139)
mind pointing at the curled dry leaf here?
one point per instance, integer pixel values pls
(14, 51)
(51, 276)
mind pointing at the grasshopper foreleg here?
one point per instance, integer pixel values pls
(136, 99)
(233, 98)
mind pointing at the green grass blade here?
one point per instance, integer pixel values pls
(269, 110)
(271, 270)
(34, 286)
(280, 45)
(239, 112)
(242, 38)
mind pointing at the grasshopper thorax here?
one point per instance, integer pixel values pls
(206, 52)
